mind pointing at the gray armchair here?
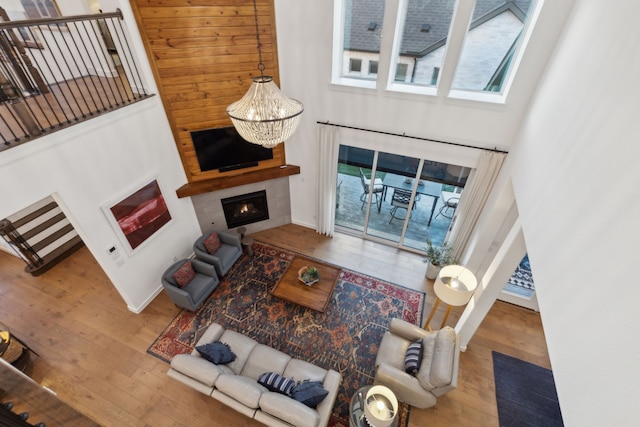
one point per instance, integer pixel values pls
(438, 372)
(224, 258)
(197, 290)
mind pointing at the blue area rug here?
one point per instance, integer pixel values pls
(526, 393)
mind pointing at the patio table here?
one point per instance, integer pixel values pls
(427, 188)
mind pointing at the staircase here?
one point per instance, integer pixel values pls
(41, 234)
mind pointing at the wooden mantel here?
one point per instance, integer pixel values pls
(215, 184)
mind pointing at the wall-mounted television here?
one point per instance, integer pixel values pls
(224, 149)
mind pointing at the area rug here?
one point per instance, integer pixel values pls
(521, 281)
(344, 338)
(526, 393)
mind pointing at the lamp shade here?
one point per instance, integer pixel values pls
(265, 116)
(455, 285)
(380, 406)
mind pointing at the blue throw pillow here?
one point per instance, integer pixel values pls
(413, 358)
(217, 352)
(276, 382)
(311, 393)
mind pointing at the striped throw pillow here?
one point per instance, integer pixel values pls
(276, 382)
(413, 358)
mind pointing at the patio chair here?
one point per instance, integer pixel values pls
(400, 200)
(376, 190)
(449, 208)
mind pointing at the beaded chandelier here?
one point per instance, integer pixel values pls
(264, 115)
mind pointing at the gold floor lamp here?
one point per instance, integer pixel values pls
(454, 286)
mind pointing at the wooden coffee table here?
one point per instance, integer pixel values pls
(316, 296)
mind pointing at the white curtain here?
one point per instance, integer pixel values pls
(473, 199)
(328, 144)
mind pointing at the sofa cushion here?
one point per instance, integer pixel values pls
(311, 393)
(443, 355)
(391, 350)
(242, 346)
(264, 359)
(199, 287)
(245, 390)
(276, 382)
(428, 346)
(217, 352)
(300, 370)
(413, 358)
(212, 243)
(289, 410)
(197, 368)
(184, 274)
(227, 254)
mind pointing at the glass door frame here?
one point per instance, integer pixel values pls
(405, 224)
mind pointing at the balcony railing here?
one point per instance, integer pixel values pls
(57, 72)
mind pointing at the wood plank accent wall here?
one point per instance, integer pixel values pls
(204, 54)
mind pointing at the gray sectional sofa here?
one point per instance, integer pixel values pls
(236, 383)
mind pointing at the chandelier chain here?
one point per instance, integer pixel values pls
(260, 63)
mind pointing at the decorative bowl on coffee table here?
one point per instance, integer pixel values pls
(308, 275)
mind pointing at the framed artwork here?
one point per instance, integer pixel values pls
(139, 215)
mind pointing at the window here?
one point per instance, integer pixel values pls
(37, 9)
(434, 76)
(355, 65)
(373, 67)
(490, 44)
(481, 68)
(357, 36)
(421, 36)
(401, 72)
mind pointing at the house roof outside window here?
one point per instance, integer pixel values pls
(416, 42)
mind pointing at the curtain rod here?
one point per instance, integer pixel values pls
(495, 149)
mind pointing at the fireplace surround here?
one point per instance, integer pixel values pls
(245, 209)
(209, 213)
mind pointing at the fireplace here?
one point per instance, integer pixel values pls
(245, 209)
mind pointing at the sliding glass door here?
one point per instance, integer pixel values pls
(389, 219)
(352, 197)
(400, 200)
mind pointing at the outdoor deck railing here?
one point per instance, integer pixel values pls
(57, 72)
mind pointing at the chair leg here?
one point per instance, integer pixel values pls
(364, 196)
(444, 210)
(378, 201)
(395, 209)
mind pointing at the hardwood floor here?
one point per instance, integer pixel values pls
(93, 350)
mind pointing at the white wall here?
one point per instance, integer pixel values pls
(305, 31)
(90, 164)
(86, 166)
(576, 177)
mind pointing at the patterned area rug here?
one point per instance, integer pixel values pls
(344, 338)
(521, 281)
